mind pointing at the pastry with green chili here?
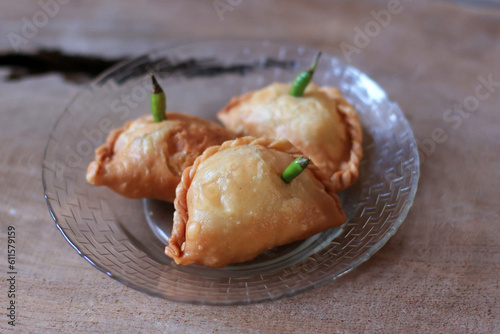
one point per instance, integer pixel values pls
(236, 202)
(146, 157)
(317, 120)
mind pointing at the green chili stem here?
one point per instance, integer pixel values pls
(294, 169)
(158, 101)
(314, 64)
(304, 78)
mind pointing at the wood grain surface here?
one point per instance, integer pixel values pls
(440, 273)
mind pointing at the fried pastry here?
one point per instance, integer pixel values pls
(146, 158)
(232, 204)
(321, 124)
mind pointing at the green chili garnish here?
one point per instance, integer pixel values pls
(294, 169)
(158, 101)
(304, 78)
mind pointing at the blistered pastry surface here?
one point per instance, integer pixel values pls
(320, 123)
(232, 205)
(146, 159)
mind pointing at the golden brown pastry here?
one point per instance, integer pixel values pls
(146, 159)
(232, 204)
(321, 123)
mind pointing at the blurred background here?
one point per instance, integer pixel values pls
(439, 60)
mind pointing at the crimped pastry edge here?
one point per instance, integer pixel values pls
(349, 172)
(104, 153)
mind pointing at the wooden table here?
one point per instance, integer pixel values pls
(440, 273)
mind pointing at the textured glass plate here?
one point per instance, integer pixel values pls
(125, 238)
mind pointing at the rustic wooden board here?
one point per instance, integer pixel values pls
(439, 273)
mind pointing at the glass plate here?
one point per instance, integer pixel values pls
(126, 238)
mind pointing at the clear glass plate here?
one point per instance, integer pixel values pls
(126, 238)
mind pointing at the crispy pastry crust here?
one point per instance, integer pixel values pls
(146, 159)
(177, 241)
(337, 173)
